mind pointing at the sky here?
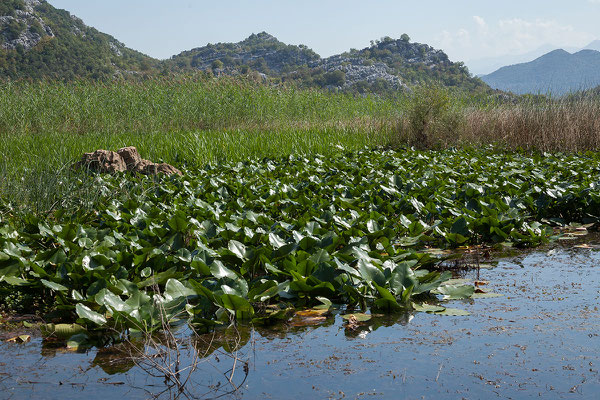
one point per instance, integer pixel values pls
(465, 29)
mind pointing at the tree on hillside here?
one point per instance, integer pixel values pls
(335, 78)
(217, 64)
(405, 38)
(8, 7)
(14, 29)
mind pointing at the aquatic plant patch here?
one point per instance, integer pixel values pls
(251, 240)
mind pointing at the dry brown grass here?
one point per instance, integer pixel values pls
(557, 126)
(560, 125)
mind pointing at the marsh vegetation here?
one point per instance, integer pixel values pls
(292, 201)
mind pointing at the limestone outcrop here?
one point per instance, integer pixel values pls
(125, 159)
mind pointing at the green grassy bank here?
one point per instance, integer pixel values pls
(191, 121)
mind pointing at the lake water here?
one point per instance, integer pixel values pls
(539, 340)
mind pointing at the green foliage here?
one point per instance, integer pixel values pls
(8, 7)
(183, 103)
(190, 120)
(217, 64)
(267, 54)
(431, 116)
(414, 63)
(225, 240)
(335, 78)
(76, 51)
(14, 29)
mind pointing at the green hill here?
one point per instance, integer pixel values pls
(260, 52)
(40, 41)
(387, 65)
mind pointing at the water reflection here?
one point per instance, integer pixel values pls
(538, 340)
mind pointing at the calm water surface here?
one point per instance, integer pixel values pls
(539, 340)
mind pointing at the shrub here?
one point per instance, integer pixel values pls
(8, 7)
(432, 121)
(14, 29)
(335, 78)
(217, 64)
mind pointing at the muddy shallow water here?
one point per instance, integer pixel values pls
(540, 339)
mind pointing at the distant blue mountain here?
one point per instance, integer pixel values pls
(557, 72)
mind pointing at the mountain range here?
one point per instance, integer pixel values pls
(487, 65)
(557, 73)
(38, 41)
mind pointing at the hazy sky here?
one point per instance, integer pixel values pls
(465, 29)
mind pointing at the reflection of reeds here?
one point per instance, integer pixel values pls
(175, 358)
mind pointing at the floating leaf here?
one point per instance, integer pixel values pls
(429, 308)
(455, 312)
(360, 317)
(486, 295)
(61, 331)
(452, 292)
(78, 341)
(19, 339)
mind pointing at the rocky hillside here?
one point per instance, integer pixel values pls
(40, 41)
(558, 72)
(387, 65)
(260, 52)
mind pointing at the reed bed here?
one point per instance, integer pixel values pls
(555, 126)
(190, 121)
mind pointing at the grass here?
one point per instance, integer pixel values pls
(193, 120)
(175, 104)
(188, 122)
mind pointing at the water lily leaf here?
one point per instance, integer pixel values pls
(321, 256)
(431, 281)
(85, 312)
(237, 305)
(264, 291)
(309, 317)
(486, 295)
(451, 292)
(218, 270)
(455, 312)
(61, 331)
(179, 222)
(176, 289)
(326, 303)
(54, 286)
(387, 301)
(403, 276)
(370, 272)
(276, 241)
(460, 227)
(19, 339)
(14, 281)
(360, 317)
(78, 341)
(237, 248)
(429, 308)
(458, 281)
